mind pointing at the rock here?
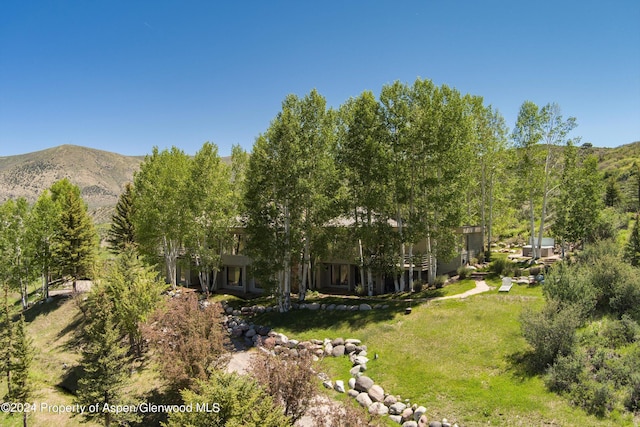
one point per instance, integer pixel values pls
(365, 307)
(339, 386)
(396, 418)
(355, 370)
(353, 341)
(363, 383)
(390, 400)
(250, 333)
(269, 342)
(378, 408)
(338, 341)
(313, 306)
(435, 424)
(352, 383)
(418, 412)
(446, 423)
(397, 408)
(349, 347)
(327, 384)
(410, 424)
(281, 339)
(293, 343)
(337, 351)
(353, 308)
(376, 393)
(364, 400)
(331, 307)
(353, 393)
(407, 414)
(228, 310)
(341, 307)
(422, 422)
(328, 349)
(360, 360)
(263, 330)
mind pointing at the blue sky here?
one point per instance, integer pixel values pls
(125, 76)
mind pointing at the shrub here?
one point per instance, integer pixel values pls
(360, 291)
(233, 400)
(439, 281)
(463, 272)
(632, 400)
(502, 267)
(550, 332)
(518, 272)
(289, 380)
(565, 372)
(189, 339)
(417, 286)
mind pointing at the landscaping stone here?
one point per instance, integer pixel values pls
(337, 351)
(364, 400)
(353, 393)
(327, 384)
(328, 349)
(378, 408)
(352, 383)
(363, 383)
(396, 408)
(418, 412)
(423, 422)
(391, 400)
(360, 360)
(376, 393)
(339, 386)
(355, 370)
(349, 347)
(435, 424)
(407, 414)
(313, 306)
(250, 333)
(364, 307)
(338, 341)
(353, 341)
(396, 418)
(331, 307)
(410, 424)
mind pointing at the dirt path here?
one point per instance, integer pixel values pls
(481, 286)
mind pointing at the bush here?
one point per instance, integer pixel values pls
(565, 372)
(289, 380)
(417, 286)
(550, 332)
(189, 339)
(463, 272)
(439, 281)
(502, 267)
(233, 400)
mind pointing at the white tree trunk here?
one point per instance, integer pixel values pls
(305, 270)
(410, 267)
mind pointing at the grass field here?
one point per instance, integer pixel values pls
(458, 358)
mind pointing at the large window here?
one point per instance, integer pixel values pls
(339, 275)
(234, 276)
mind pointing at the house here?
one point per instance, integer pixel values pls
(339, 274)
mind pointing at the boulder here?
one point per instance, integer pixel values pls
(423, 422)
(419, 411)
(365, 307)
(435, 424)
(376, 393)
(339, 386)
(364, 400)
(337, 351)
(378, 408)
(410, 424)
(313, 306)
(363, 383)
(341, 307)
(391, 400)
(396, 418)
(397, 408)
(338, 341)
(331, 307)
(407, 414)
(349, 347)
(327, 384)
(328, 349)
(250, 333)
(353, 341)
(445, 423)
(353, 393)
(352, 383)
(360, 360)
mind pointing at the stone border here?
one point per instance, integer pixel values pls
(360, 387)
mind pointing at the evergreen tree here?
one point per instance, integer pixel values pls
(134, 291)
(21, 351)
(612, 195)
(632, 250)
(103, 359)
(77, 239)
(121, 234)
(43, 226)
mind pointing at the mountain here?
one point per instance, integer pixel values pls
(101, 175)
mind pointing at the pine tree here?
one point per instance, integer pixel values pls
(103, 359)
(121, 234)
(612, 195)
(21, 357)
(632, 250)
(77, 238)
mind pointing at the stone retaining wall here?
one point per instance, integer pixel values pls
(359, 386)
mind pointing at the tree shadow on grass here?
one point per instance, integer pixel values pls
(523, 365)
(43, 307)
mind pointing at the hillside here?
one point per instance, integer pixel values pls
(101, 175)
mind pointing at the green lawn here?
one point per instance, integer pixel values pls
(458, 358)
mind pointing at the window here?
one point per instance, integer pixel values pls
(234, 276)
